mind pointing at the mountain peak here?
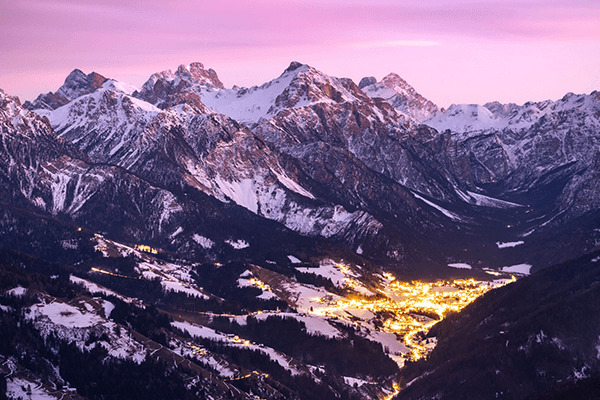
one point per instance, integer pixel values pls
(75, 75)
(402, 96)
(501, 110)
(165, 89)
(76, 84)
(196, 73)
(393, 79)
(9, 106)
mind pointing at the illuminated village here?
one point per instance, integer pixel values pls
(406, 309)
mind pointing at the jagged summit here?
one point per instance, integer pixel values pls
(195, 72)
(165, 89)
(402, 96)
(501, 110)
(76, 84)
(10, 107)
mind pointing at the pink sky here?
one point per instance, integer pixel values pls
(451, 52)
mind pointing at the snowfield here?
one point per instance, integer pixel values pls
(65, 315)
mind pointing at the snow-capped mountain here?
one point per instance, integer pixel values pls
(298, 86)
(340, 117)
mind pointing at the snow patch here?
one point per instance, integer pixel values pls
(120, 87)
(522, 269)
(447, 213)
(94, 288)
(486, 201)
(173, 286)
(292, 185)
(17, 388)
(65, 315)
(234, 341)
(241, 192)
(17, 292)
(107, 306)
(354, 381)
(177, 232)
(314, 325)
(238, 244)
(246, 274)
(328, 269)
(294, 260)
(267, 295)
(503, 245)
(460, 266)
(203, 241)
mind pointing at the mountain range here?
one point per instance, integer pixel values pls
(304, 167)
(380, 169)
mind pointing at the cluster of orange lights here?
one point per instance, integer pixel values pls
(259, 284)
(411, 308)
(147, 249)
